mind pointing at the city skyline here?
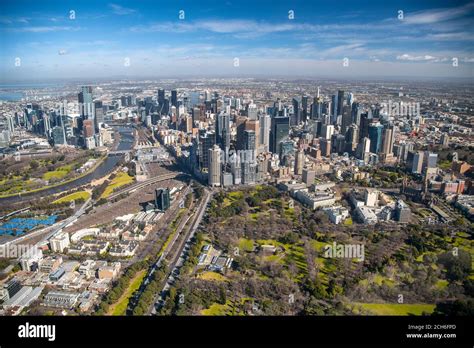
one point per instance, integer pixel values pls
(124, 39)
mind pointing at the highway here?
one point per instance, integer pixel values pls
(182, 252)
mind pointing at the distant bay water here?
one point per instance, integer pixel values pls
(15, 91)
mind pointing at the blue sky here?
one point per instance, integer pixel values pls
(148, 39)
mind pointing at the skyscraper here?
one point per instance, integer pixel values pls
(375, 136)
(223, 132)
(162, 199)
(86, 106)
(340, 102)
(388, 140)
(304, 107)
(174, 98)
(265, 125)
(299, 162)
(279, 132)
(214, 178)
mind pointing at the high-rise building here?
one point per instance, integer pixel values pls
(415, 161)
(299, 162)
(162, 199)
(296, 116)
(304, 108)
(388, 140)
(252, 111)
(174, 98)
(327, 131)
(346, 119)
(340, 102)
(265, 126)
(325, 146)
(334, 106)
(58, 136)
(214, 178)
(279, 132)
(99, 113)
(223, 132)
(375, 136)
(86, 105)
(352, 138)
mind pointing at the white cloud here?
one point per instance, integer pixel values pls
(120, 10)
(438, 15)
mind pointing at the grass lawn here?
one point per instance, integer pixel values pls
(246, 244)
(441, 284)
(59, 173)
(348, 221)
(212, 276)
(120, 307)
(120, 180)
(74, 196)
(397, 308)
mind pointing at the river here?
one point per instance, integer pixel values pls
(126, 143)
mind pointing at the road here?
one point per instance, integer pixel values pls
(182, 252)
(52, 230)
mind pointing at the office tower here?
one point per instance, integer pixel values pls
(364, 126)
(123, 101)
(207, 96)
(265, 126)
(327, 108)
(388, 140)
(99, 113)
(363, 149)
(85, 99)
(214, 178)
(88, 128)
(352, 138)
(240, 122)
(430, 160)
(346, 119)
(325, 146)
(299, 162)
(296, 117)
(254, 125)
(206, 142)
(356, 112)
(46, 124)
(317, 128)
(161, 97)
(338, 142)
(279, 131)
(10, 123)
(375, 136)
(174, 98)
(350, 99)
(308, 176)
(327, 131)
(247, 158)
(340, 102)
(414, 161)
(252, 111)
(445, 140)
(334, 107)
(304, 107)
(57, 135)
(223, 131)
(162, 199)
